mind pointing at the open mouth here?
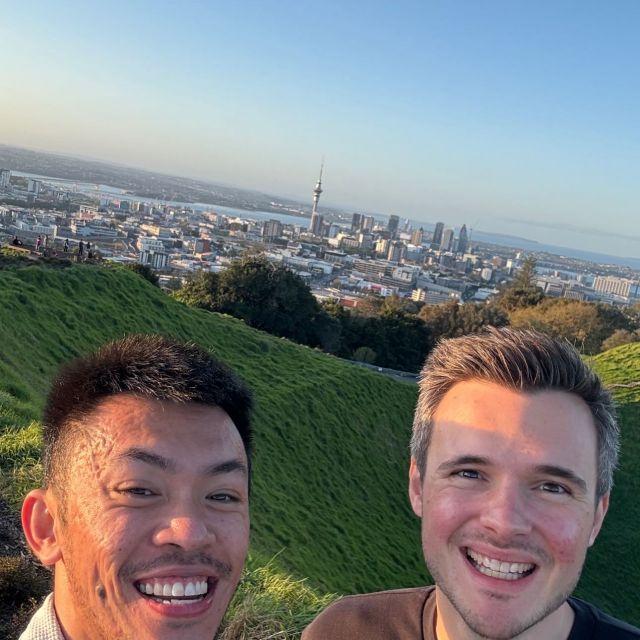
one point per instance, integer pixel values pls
(499, 568)
(177, 591)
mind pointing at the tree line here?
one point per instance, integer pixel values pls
(395, 332)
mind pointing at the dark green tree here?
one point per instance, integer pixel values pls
(201, 290)
(144, 271)
(452, 319)
(522, 291)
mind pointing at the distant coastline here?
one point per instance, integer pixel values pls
(501, 239)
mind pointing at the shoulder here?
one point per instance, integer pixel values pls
(384, 614)
(599, 624)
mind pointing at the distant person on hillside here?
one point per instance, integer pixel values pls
(144, 513)
(80, 250)
(38, 243)
(16, 242)
(65, 246)
(514, 446)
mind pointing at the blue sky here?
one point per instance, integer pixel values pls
(512, 116)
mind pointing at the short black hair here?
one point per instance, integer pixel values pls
(149, 366)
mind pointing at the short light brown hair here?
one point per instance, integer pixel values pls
(521, 360)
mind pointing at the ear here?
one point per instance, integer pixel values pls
(415, 488)
(39, 524)
(601, 512)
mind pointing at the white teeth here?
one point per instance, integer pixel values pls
(497, 569)
(174, 589)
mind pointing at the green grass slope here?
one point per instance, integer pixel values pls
(612, 573)
(331, 439)
(329, 501)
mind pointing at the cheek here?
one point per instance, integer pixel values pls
(443, 514)
(568, 536)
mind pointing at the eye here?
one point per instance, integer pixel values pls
(223, 498)
(137, 492)
(554, 487)
(469, 474)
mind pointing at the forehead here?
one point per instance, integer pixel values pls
(123, 421)
(492, 419)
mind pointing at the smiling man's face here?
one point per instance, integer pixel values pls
(153, 526)
(508, 508)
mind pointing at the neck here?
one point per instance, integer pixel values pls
(450, 625)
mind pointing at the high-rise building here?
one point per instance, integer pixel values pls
(367, 223)
(463, 240)
(396, 251)
(271, 229)
(33, 186)
(152, 252)
(356, 222)
(437, 234)
(316, 225)
(382, 247)
(416, 236)
(447, 240)
(392, 226)
(5, 178)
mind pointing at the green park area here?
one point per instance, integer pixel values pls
(330, 514)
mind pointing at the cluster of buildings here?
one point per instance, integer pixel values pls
(345, 258)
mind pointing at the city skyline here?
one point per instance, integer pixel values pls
(512, 119)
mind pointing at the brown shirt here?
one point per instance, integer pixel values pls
(403, 614)
(410, 614)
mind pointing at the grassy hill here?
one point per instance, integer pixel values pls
(329, 502)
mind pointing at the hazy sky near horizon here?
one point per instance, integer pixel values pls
(509, 116)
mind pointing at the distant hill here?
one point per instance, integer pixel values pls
(331, 443)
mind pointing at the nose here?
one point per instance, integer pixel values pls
(506, 513)
(188, 531)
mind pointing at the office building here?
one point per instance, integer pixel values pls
(447, 240)
(437, 235)
(392, 226)
(463, 240)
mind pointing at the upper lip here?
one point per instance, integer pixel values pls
(179, 572)
(503, 555)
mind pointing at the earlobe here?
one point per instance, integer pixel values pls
(601, 511)
(38, 522)
(415, 488)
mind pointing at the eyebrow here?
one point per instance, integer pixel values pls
(545, 469)
(449, 465)
(564, 473)
(166, 464)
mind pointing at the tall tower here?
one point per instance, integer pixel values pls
(315, 224)
(392, 226)
(463, 240)
(447, 240)
(437, 235)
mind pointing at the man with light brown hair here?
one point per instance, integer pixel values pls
(514, 446)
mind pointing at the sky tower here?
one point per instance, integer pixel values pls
(315, 226)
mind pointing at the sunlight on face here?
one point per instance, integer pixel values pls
(157, 522)
(507, 505)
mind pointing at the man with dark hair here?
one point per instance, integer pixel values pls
(144, 513)
(514, 446)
